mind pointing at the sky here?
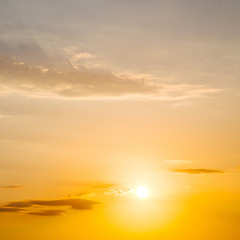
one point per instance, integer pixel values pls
(100, 97)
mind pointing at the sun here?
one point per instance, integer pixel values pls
(142, 192)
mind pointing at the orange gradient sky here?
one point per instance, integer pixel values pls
(100, 97)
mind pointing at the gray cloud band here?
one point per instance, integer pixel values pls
(26, 206)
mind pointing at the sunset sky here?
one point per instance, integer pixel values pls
(101, 97)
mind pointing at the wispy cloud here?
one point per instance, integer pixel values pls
(77, 58)
(197, 170)
(20, 78)
(47, 213)
(118, 191)
(86, 194)
(11, 210)
(11, 187)
(78, 204)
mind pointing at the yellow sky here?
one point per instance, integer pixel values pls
(98, 98)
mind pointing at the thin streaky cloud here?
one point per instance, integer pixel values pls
(47, 213)
(75, 203)
(10, 210)
(197, 170)
(11, 187)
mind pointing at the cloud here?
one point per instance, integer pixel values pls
(78, 59)
(84, 55)
(47, 213)
(197, 171)
(19, 204)
(118, 191)
(40, 81)
(113, 189)
(78, 204)
(87, 194)
(29, 206)
(11, 187)
(10, 210)
(21, 78)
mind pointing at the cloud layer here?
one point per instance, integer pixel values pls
(20, 78)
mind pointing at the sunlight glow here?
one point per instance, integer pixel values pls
(142, 192)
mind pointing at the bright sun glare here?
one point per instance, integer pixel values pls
(142, 192)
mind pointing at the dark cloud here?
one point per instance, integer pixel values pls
(77, 204)
(197, 170)
(11, 186)
(19, 204)
(47, 213)
(11, 210)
